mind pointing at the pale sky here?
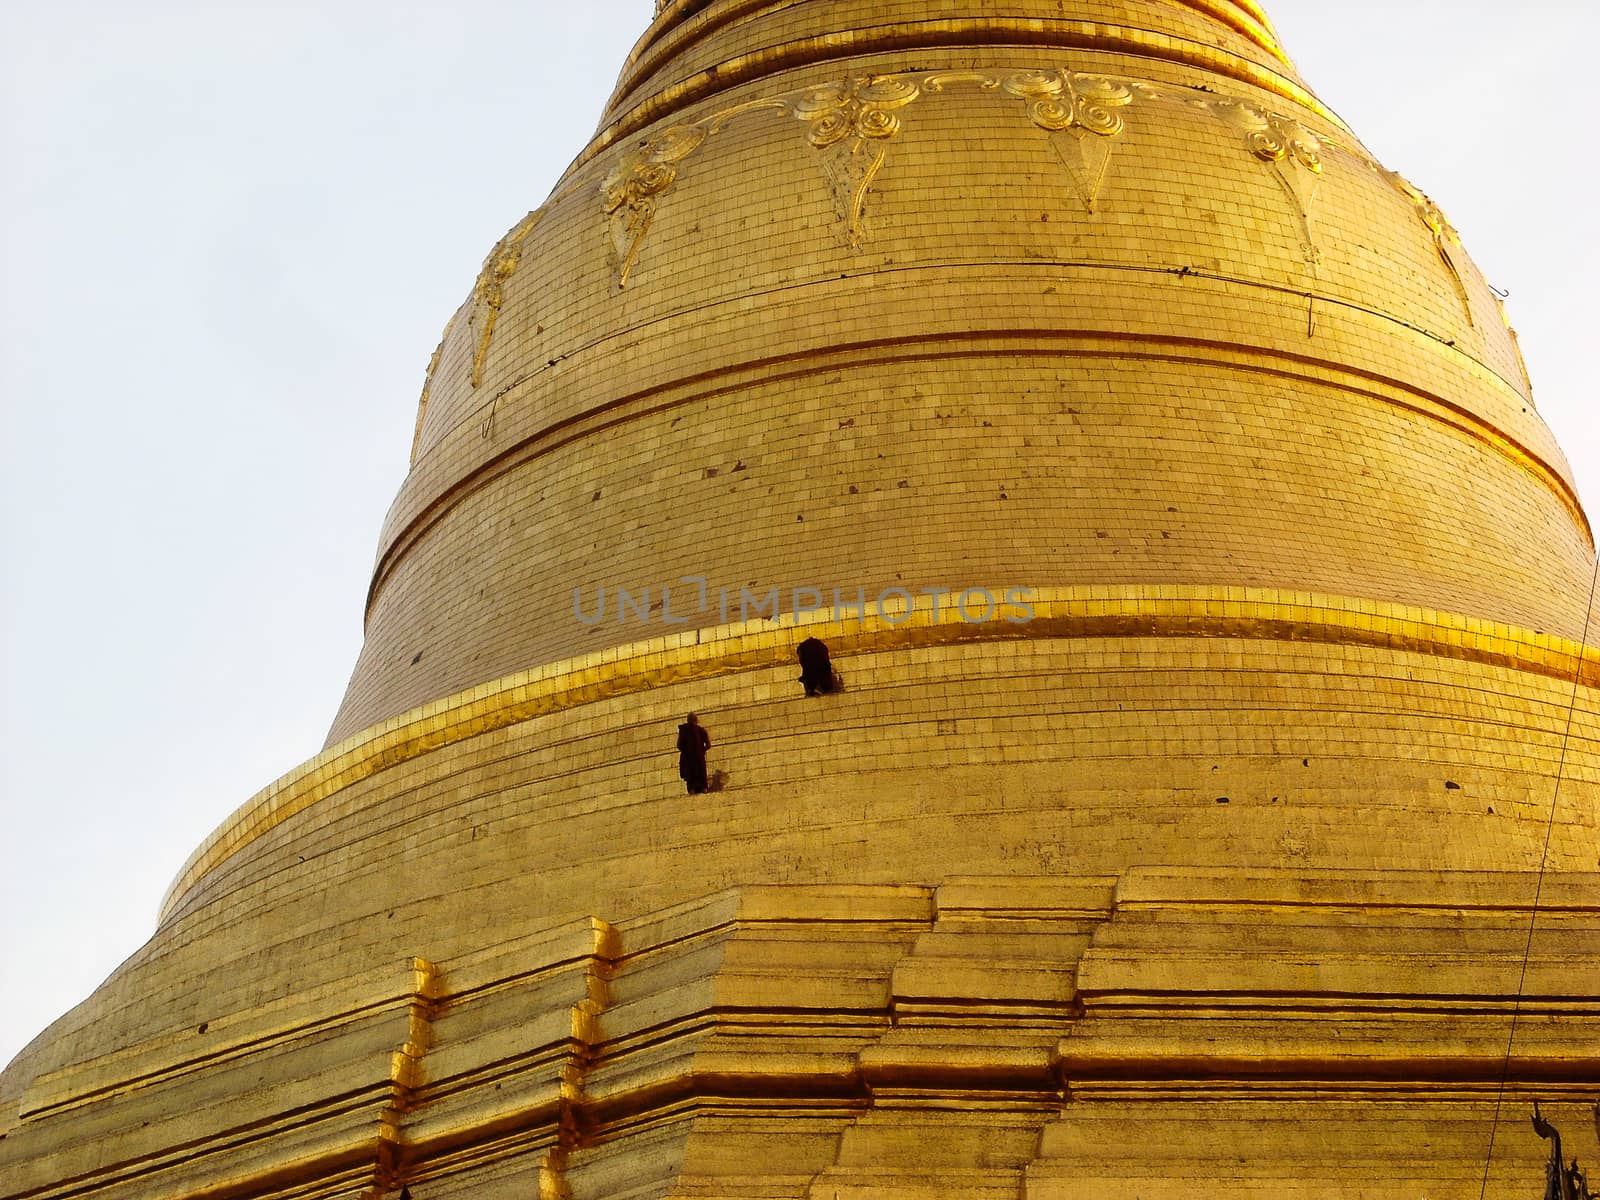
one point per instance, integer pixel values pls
(232, 234)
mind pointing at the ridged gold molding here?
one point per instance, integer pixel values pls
(965, 35)
(413, 516)
(1131, 611)
(1242, 16)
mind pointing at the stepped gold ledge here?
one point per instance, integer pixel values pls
(311, 1014)
(1243, 16)
(964, 35)
(619, 1028)
(1077, 612)
(413, 514)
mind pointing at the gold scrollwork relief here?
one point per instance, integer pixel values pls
(851, 123)
(427, 387)
(1527, 380)
(635, 188)
(943, 79)
(1085, 108)
(1444, 235)
(1292, 150)
(489, 294)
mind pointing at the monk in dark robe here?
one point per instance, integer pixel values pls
(693, 742)
(816, 668)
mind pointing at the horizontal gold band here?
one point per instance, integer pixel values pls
(965, 35)
(1131, 611)
(1243, 16)
(410, 519)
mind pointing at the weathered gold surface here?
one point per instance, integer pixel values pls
(1167, 1032)
(1135, 615)
(488, 297)
(1258, 860)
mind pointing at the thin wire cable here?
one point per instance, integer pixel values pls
(1538, 891)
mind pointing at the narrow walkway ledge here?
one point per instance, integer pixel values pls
(1132, 611)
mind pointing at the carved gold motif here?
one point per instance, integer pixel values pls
(637, 184)
(1293, 151)
(1527, 382)
(943, 79)
(851, 123)
(1059, 100)
(489, 294)
(1084, 106)
(632, 189)
(427, 387)
(1444, 235)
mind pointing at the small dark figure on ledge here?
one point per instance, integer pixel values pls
(816, 668)
(693, 742)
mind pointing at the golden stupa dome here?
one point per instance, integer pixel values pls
(1155, 463)
(1100, 311)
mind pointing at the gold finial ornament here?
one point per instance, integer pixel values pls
(1200, 796)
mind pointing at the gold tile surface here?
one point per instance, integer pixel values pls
(1256, 856)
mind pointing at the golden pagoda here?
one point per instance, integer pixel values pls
(1197, 795)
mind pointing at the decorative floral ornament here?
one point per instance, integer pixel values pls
(860, 106)
(1062, 101)
(1271, 136)
(489, 294)
(1288, 146)
(1444, 236)
(850, 122)
(633, 186)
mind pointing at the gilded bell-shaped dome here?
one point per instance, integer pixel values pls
(1203, 705)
